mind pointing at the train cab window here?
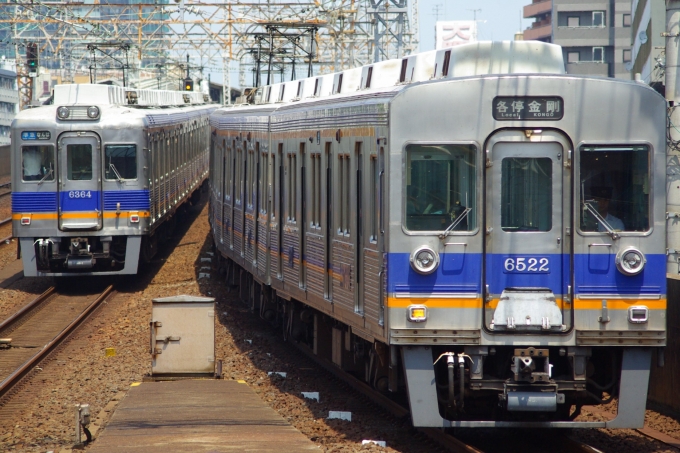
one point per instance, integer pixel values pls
(37, 163)
(615, 185)
(79, 162)
(526, 201)
(121, 162)
(440, 188)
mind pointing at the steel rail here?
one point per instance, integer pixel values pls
(19, 314)
(15, 377)
(578, 446)
(447, 441)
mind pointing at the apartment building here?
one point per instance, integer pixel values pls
(595, 35)
(9, 103)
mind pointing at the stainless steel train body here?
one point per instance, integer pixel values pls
(491, 241)
(98, 175)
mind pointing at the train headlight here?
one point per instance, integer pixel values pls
(93, 112)
(630, 261)
(63, 112)
(417, 313)
(424, 260)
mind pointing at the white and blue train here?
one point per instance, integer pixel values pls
(470, 226)
(98, 176)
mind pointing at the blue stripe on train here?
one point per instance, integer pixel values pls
(597, 274)
(461, 272)
(457, 272)
(34, 202)
(80, 200)
(130, 200)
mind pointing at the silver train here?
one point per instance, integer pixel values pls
(470, 227)
(98, 176)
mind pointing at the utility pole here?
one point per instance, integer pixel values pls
(672, 81)
(474, 19)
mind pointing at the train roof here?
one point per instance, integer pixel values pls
(86, 94)
(474, 59)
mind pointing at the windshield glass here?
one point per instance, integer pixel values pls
(124, 160)
(615, 184)
(37, 162)
(440, 186)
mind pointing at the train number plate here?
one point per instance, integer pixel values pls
(526, 265)
(80, 194)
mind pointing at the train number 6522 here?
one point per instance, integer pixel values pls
(521, 265)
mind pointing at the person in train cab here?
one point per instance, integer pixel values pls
(602, 197)
(32, 163)
(434, 203)
(412, 202)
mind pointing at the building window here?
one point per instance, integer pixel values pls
(627, 55)
(574, 21)
(573, 57)
(598, 19)
(626, 20)
(598, 54)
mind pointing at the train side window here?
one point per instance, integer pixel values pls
(79, 162)
(374, 202)
(615, 188)
(120, 162)
(262, 173)
(37, 163)
(344, 194)
(316, 191)
(292, 186)
(440, 187)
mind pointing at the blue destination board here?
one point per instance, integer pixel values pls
(36, 135)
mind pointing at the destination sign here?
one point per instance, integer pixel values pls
(36, 135)
(511, 108)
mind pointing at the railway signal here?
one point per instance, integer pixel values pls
(188, 85)
(32, 56)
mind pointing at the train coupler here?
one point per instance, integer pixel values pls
(531, 399)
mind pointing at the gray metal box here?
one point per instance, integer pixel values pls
(182, 332)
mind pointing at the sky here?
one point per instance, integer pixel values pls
(499, 20)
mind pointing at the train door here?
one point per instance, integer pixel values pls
(527, 220)
(282, 215)
(303, 216)
(329, 223)
(80, 183)
(359, 247)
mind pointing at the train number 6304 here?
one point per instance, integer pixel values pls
(521, 265)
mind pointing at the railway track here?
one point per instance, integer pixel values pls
(28, 336)
(439, 436)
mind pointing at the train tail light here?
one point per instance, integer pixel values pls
(26, 220)
(134, 218)
(417, 313)
(638, 314)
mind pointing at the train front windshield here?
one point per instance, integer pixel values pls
(440, 187)
(615, 189)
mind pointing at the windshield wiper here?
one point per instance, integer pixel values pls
(118, 176)
(599, 218)
(45, 177)
(455, 223)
